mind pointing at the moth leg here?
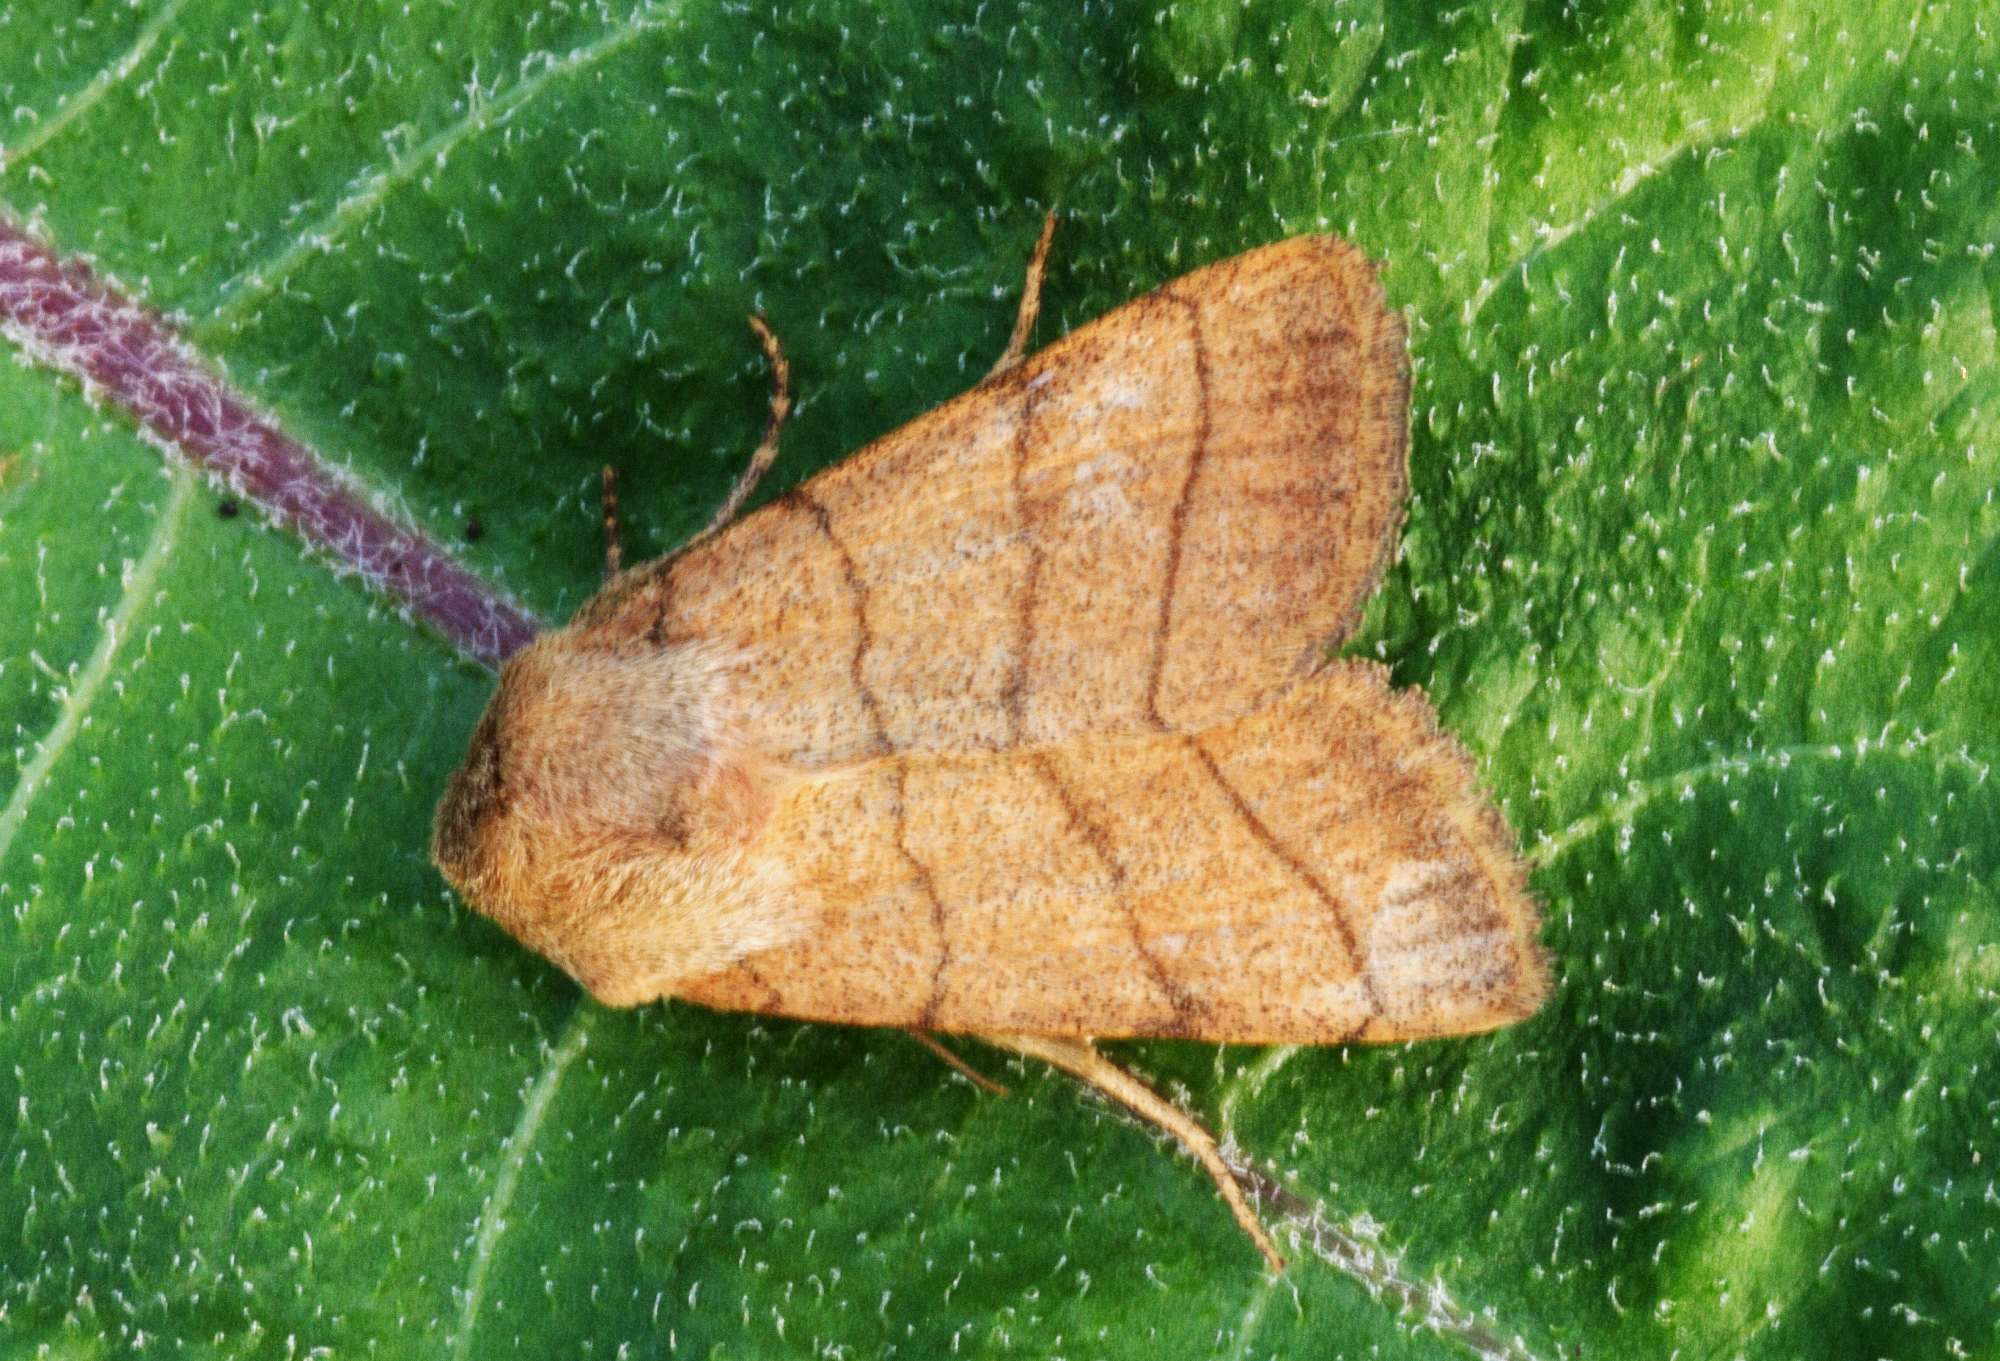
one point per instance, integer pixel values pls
(614, 553)
(1031, 303)
(958, 1064)
(1080, 1059)
(767, 449)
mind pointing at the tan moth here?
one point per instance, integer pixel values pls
(1020, 723)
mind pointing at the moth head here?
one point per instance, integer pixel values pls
(607, 815)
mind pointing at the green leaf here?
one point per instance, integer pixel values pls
(1702, 562)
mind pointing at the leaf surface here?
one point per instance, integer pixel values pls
(1702, 564)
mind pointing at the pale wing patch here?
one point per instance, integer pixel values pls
(1101, 489)
(1125, 392)
(1429, 962)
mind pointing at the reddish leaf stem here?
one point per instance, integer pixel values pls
(63, 316)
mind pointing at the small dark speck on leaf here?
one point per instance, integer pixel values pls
(474, 531)
(227, 508)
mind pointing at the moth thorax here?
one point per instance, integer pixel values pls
(609, 736)
(600, 802)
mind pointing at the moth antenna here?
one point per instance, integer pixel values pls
(767, 449)
(614, 553)
(1031, 302)
(959, 1065)
(1080, 1059)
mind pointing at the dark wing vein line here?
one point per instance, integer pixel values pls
(857, 668)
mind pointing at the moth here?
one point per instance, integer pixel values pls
(1022, 722)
